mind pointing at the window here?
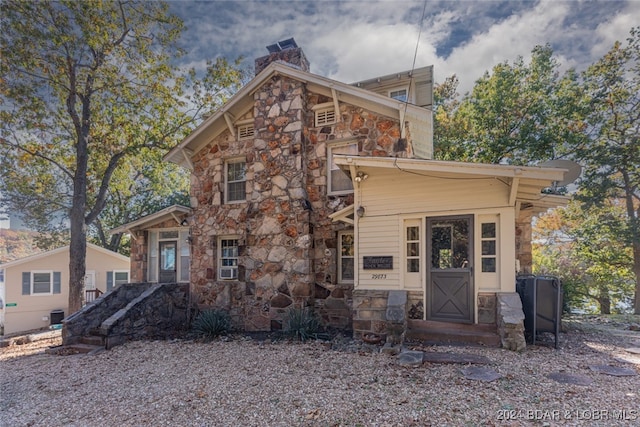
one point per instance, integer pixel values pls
(346, 257)
(338, 181)
(399, 94)
(235, 178)
(116, 278)
(41, 282)
(228, 259)
(413, 249)
(488, 241)
(246, 130)
(325, 113)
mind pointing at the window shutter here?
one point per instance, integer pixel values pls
(109, 280)
(56, 282)
(26, 283)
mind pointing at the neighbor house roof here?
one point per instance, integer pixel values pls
(243, 101)
(62, 249)
(525, 182)
(172, 212)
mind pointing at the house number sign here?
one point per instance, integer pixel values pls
(377, 263)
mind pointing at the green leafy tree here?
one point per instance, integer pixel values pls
(519, 113)
(611, 155)
(581, 245)
(86, 87)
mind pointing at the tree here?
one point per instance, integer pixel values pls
(519, 113)
(611, 156)
(86, 87)
(581, 245)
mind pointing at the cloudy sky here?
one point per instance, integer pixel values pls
(354, 40)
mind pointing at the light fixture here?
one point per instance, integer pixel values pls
(360, 211)
(184, 222)
(361, 176)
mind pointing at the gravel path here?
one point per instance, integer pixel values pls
(245, 382)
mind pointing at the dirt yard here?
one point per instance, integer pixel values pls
(239, 381)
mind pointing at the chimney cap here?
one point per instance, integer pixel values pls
(282, 45)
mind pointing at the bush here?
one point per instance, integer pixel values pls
(210, 324)
(301, 323)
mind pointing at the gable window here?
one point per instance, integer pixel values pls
(346, 257)
(245, 129)
(325, 113)
(228, 259)
(235, 178)
(401, 94)
(338, 181)
(41, 282)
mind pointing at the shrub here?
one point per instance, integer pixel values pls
(301, 323)
(210, 324)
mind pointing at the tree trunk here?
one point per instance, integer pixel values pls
(604, 300)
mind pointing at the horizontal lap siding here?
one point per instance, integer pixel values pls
(379, 236)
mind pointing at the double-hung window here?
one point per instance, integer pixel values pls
(41, 282)
(228, 258)
(235, 180)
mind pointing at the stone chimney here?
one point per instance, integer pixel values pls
(286, 52)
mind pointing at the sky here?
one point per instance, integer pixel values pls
(355, 40)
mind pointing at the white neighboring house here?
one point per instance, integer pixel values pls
(37, 286)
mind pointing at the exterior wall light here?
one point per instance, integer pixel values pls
(360, 211)
(361, 176)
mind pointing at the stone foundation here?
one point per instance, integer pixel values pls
(487, 308)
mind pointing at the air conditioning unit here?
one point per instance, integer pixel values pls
(228, 273)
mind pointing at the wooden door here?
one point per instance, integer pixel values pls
(168, 262)
(450, 271)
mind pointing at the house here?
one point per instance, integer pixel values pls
(306, 191)
(36, 290)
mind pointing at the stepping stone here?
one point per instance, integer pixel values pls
(633, 350)
(410, 358)
(613, 370)
(480, 373)
(456, 358)
(574, 379)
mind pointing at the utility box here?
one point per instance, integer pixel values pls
(542, 305)
(56, 316)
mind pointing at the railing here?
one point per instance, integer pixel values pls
(91, 295)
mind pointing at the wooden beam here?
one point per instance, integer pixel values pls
(336, 104)
(229, 119)
(514, 191)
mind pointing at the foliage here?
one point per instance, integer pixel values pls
(583, 248)
(89, 91)
(611, 155)
(519, 113)
(17, 244)
(210, 324)
(302, 324)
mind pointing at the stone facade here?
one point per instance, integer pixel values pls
(287, 242)
(524, 251)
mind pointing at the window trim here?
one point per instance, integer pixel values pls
(321, 114)
(340, 280)
(50, 272)
(115, 282)
(330, 149)
(219, 258)
(398, 89)
(227, 162)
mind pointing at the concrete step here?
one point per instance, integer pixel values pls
(446, 333)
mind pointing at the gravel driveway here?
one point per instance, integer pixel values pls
(246, 382)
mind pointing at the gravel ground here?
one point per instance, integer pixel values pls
(249, 382)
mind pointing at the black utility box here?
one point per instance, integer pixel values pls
(542, 305)
(56, 316)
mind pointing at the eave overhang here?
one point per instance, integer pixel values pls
(175, 212)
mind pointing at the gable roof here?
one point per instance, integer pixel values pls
(155, 218)
(243, 100)
(90, 246)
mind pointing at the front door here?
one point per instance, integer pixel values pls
(449, 290)
(168, 252)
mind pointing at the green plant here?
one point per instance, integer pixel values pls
(301, 323)
(210, 324)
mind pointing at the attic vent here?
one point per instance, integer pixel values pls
(246, 131)
(325, 114)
